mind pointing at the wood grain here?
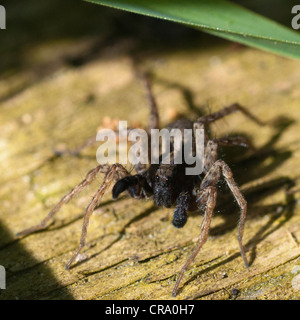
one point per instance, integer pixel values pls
(133, 251)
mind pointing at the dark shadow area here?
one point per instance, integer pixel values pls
(278, 10)
(259, 164)
(195, 111)
(39, 281)
(79, 32)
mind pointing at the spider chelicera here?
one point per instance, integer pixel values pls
(167, 184)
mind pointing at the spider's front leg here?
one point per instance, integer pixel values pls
(208, 196)
(116, 172)
(90, 177)
(211, 178)
(213, 169)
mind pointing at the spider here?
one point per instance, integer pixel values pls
(167, 184)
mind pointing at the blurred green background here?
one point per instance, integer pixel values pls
(33, 23)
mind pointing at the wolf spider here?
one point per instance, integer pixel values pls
(167, 184)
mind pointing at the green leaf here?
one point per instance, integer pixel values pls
(221, 18)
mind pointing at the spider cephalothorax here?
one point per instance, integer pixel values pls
(167, 184)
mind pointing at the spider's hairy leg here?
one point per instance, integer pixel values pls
(116, 172)
(212, 178)
(154, 116)
(234, 141)
(227, 111)
(197, 125)
(208, 195)
(153, 122)
(75, 152)
(211, 149)
(91, 141)
(227, 173)
(90, 177)
(210, 155)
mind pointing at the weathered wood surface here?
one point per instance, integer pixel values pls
(133, 251)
